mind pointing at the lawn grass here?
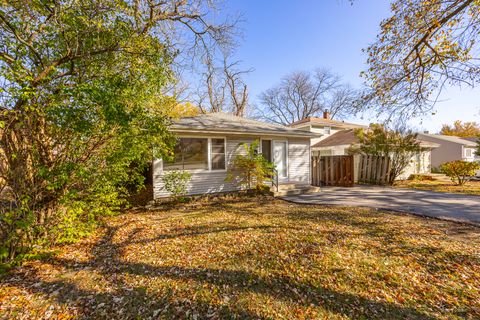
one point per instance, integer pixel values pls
(471, 188)
(256, 258)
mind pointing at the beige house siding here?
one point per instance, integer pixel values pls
(419, 164)
(339, 150)
(448, 151)
(321, 131)
(204, 182)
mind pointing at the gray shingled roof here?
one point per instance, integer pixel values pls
(226, 123)
(454, 139)
(345, 137)
(339, 138)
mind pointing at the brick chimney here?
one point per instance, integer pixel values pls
(326, 114)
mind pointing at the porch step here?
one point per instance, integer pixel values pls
(290, 186)
(293, 189)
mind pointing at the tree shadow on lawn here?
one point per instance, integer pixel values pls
(141, 301)
(370, 224)
(392, 241)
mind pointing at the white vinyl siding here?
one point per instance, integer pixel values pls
(203, 182)
(299, 160)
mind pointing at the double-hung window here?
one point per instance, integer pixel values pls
(468, 152)
(217, 154)
(197, 154)
(326, 130)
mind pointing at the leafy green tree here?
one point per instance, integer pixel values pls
(82, 99)
(421, 47)
(460, 171)
(250, 169)
(398, 145)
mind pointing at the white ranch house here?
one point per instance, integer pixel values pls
(208, 143)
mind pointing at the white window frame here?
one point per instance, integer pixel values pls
(465, 152)
(209, 154)
(325, 130)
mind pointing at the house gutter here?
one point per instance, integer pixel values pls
(253, 133)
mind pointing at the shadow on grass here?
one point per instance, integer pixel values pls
(125, 302)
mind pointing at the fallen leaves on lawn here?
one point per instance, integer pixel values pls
(470, 188)
(255, 258)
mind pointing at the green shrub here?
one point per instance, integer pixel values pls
(176, 182)
(252, 169)
(460, 171)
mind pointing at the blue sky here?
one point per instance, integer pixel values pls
(283, 36)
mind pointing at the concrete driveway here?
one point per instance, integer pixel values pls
(446, 206)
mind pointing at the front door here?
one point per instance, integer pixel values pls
(280, 158)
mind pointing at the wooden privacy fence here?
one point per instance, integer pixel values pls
(344, 171)
(333, 171)
(373, 169)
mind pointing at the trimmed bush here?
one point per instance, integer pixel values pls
(460, 171)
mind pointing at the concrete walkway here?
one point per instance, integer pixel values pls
(446, 206)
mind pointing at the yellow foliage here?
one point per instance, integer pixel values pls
(181, 110)
(459, 129)
(169, 106)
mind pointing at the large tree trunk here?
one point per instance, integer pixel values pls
(28, 201)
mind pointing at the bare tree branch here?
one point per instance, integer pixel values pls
(305, 94)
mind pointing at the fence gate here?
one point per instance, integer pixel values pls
(373, 169)
(332, 171)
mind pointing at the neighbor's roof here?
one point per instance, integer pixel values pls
(339, 138)
(347, 137)
(326, 122)
(229, 124)
(454, 139)
(474, 139)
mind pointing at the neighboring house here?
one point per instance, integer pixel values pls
(336, 144)
(208, 143)
(450, 148)
(339, 143)
(323, 127)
